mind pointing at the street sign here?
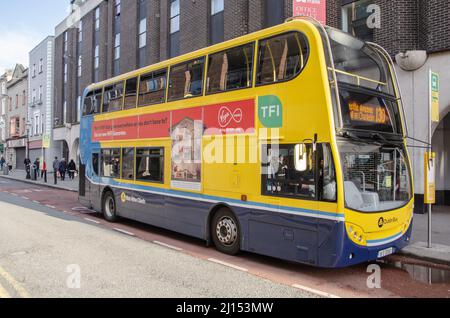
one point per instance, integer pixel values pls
(316, 9)
(46, 141)
(434, 96)
(430, 178)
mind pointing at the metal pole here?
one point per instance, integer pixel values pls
(429, 150)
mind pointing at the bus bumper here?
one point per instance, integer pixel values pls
(353, 254)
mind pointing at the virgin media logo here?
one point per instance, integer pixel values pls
(226, 116)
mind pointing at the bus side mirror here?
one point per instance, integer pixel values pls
(301, 157)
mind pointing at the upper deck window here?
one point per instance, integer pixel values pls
(359, 64)
(281, 58)
(92, 102)
(152, 88)
(113, 98)
(186, 80)
(231, 69)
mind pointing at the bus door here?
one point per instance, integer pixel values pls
(93, 187)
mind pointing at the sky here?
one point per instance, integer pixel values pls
(25, 23)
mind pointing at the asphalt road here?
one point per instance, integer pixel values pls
(46, 239)
(42, 251)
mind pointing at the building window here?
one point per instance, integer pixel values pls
(96, 63)
(354, 19)
(142, 33)
(41, 65)
(80, 31)
(40, 93)
(80, 61)
(42, 124)
(174, 28)
(24, 98)
(65, 41)
(65, 73)
(33, 97)
(116, 62)
(273, 12)
(117, 7)
(97, 19)
(217, 21)
(36, 124)
(34, 70)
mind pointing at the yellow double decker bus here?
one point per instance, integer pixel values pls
(287, 142)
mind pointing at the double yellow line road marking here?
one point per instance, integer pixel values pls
(18, 288)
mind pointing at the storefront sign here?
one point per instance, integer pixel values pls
(46, 141)
(434, 96)
(17, 143)
(312, 8)
(430, 178)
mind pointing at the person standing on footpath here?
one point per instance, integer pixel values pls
(55, 169)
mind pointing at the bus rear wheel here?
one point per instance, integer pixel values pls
(225, 232)
(109, 207)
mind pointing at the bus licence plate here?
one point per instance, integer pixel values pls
(386, 252)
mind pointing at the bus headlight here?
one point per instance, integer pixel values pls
(356, 233)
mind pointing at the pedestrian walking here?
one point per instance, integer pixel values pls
(37, 166)
(63, 169)
(72, 168)
(27, 163)
(55, 169)
(44, 171)
(2, 162)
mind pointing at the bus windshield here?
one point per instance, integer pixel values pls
(376, 177)
(366, 88)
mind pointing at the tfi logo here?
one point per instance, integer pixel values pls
(270, 111)
(226, 116)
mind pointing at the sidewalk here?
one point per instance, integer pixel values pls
(20, 175)
(440, 239)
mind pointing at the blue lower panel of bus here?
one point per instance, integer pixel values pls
(302, 239)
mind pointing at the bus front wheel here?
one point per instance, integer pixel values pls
(109, 207)
(225, 232)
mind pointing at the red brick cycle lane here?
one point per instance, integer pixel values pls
(400, 276)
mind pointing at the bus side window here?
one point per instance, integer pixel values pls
(88, 104)
(113, 98)
(281, 58)
(152, 88)
(130, 93)
(186, 80)
(95, 163)
(128, 163)
(327, 174)
(110, 163)
(231, 69)
(282, 177)
(150, 164)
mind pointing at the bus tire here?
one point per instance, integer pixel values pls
(225, 232)
(109, 207)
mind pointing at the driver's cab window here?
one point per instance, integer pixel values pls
(299, 171)
(288, 170)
